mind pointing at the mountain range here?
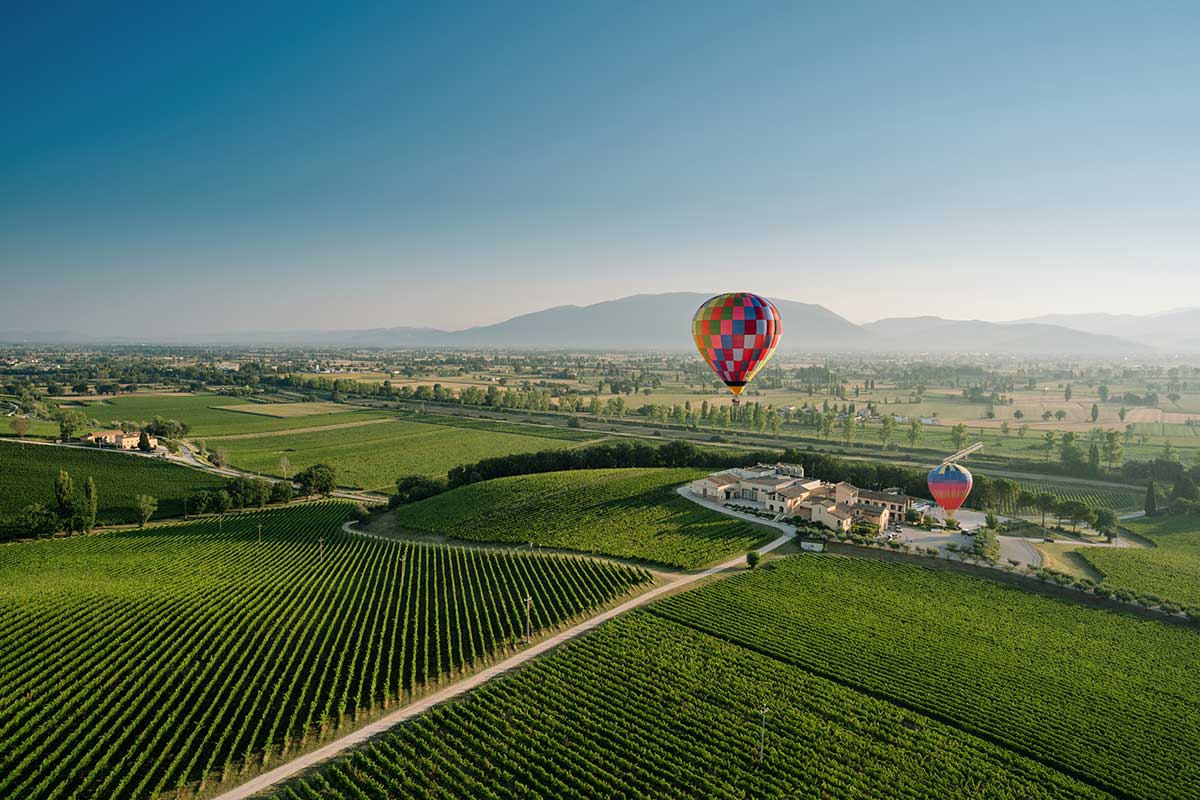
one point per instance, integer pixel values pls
(659, 322)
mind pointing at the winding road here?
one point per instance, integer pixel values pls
(361, 735)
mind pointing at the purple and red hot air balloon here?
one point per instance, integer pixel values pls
(736, 334)
(950, 484)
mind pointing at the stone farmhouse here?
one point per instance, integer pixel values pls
(783, 489)
(117, 438)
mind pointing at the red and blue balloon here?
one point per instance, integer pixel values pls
(950, 484)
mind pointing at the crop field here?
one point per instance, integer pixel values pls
(1171, 570)
(645, 707)
(208, 415)
(289, 409)
(373, 456)
(137, 663)
(630, 513)
(1104, 697)
(1116, 499)
(27, 476)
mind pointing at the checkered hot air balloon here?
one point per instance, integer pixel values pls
(736, 334)
(950, 484)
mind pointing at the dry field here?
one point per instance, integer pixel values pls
(289, 410)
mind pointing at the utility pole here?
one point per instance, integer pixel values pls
(762, 739)
(528, 618)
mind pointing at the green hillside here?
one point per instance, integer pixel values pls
(630, 513)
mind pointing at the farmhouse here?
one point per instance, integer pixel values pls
(117, 438)
(783, 489)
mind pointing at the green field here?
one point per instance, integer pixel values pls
(204, 413)
(630, 513)
(1107, 698)
(1170, 571)
(373, 456)
(27, 476)
(645, 707)
(140, 662)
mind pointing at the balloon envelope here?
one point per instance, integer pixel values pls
(950, 484)
(736, 334)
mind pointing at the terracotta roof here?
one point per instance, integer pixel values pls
(793, 491)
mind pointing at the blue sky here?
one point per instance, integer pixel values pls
(357, 165)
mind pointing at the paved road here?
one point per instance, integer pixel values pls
(338, 746)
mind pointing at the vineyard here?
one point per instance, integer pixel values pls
(1170, 571)
(1116, 499)
(135, 663)
(630, 513)
(373, 456)
(27, 476)
(1106, 698)
(645, 707)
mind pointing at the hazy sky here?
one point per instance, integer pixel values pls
(339, 165)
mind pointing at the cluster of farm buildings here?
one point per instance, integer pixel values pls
(118, 438)
(783, 490)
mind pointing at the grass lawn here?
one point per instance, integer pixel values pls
(630, 513)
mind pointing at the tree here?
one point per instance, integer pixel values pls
(1095, 412)
(915, 429)
(90, 504)
(282, 492)
(38, 520)
(1022, 430)
(1060, 415)
(752, 559)
(144, 442)
(317, 479)
(1004, 429)
(218, 457)
(887, 429)
(1048, 440)
(1168, 451)
(64, 495)
(412, 488)
(1047, 415)
(1151, 505)
(958, 436)
(1185, 488)
(1067, 393)
(1077, 511)
(20, 426)
(1045, 503)
(70, 421)
(146, 505)
(1122, 413)
(827, 421)
(1112, 448)
(221, 502)
(850, 427)
(1103, 393)
(1018, 414)
(1106, 522)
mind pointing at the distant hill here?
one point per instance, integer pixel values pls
(660, 322)
(1171, 330)
(656, 322)
(937, 335)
